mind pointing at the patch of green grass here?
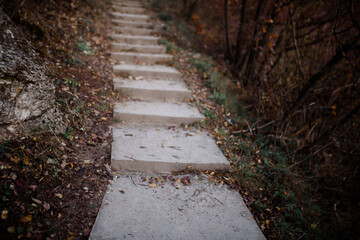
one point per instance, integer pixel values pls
(3, 147)
(208, 113)
(182, 27)
(170, 47)
(70, 82)
(68, 133)
(87, 21)
(202, 65)
(84, 47)
(219, 97)
(164, 17)
(155, 3)
(74, 61)
(264, 167)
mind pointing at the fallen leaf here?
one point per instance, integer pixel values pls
(26, 219)
(153, 185)
(185, 180)
(15, 159)
(4, 214)
(26, 161)
(59, 195)
(46, 206)
(11, 229)
(36, 200)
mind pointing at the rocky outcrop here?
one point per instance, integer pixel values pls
(27, 93)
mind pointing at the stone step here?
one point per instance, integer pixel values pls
(130, 17)
(148, 72)
(133, 39)
(133, 10)
(149, 58)
(200, 210)
(156, 113)
(127, 3)
(133, 31)
(153, 89)
(164, 150)
(134, 24)
(138, 48)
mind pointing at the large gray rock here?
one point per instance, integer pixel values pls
(27, 93)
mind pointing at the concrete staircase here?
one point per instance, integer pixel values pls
(149, 142)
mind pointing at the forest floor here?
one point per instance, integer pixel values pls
(52, 186)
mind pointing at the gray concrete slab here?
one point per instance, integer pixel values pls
(123, 38)
(127, 3)
(164, 150)
(133, 31)
(148, 72)
(153, 89)
(138, 48)
(200, 210)
(156, 113)
(133, 10)
(125, 23)
(130, 17)
(134, 57)
(169, 209)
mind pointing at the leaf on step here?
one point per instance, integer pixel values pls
(153, 185)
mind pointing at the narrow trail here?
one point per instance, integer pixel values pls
(145, 201)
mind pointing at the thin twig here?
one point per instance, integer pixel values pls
(255, 129)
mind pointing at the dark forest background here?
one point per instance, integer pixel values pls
(295, 69)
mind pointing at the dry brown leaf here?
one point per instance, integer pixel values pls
(46, 206)
(26, 219)
(153, 185)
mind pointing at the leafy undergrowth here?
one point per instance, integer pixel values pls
(310, 193)
(281, 199)
(51, 186)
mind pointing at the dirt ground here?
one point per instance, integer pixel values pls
(51, 187)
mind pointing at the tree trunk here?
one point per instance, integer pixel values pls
(227, 41)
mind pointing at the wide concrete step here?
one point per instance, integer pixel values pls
(134, 24)
(133, 31)
(130, 17)
(153, 89)
(149, 58)
(156, 113)
(133, 10)
(148, 72)
(138, 48)
(164, 150)
(127, 3)
(122, 38)
(198, 209)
